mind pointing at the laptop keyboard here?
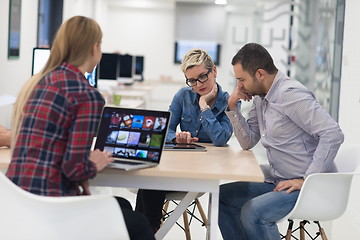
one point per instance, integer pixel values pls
(127, 162)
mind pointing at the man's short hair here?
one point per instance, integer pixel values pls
(252, 57)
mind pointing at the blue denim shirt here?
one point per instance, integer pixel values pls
(210, 126)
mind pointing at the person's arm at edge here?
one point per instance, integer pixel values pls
(246, 137)
(5, 137)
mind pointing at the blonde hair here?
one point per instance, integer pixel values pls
(196, 57)
(72, 44)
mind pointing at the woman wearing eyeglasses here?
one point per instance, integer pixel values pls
(199, 108)
(200, 111)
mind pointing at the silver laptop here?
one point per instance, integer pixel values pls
(135, 137)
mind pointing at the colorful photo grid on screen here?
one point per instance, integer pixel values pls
(135, 136)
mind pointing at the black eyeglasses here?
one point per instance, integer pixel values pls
(191, 82)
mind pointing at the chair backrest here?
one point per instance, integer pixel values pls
(24, 215)
(324, 196)
(348, 158)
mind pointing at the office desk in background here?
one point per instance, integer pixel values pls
(139, 91)
(130, 103)
(192, 172)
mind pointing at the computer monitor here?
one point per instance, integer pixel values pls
(40, 57)
(139, 68)
(126, 69)
(109, 67)
(184, 46)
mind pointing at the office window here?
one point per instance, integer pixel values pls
(14, 29)
(304, 37)
(49, 20)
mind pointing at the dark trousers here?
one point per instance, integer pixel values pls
(150, 203)
(137, 224)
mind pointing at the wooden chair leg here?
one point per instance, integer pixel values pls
(289, 230)
(186, 226)
(164, 211)
(321, 231)
(322, 234)
(166, 206)
(302, 232)
(201, 211)
(186, 218)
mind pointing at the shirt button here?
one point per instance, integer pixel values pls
(235, 115)
(263, 135)
(196, 130)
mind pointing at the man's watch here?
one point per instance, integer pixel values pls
(204, 108)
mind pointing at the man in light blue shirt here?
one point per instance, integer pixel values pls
(299, 136)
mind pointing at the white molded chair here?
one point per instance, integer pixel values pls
(324, 196)
(175, 197)
(24, 215)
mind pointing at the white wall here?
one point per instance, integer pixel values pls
(16, 71)
(347, 227)
(137, 30)
(349, 114)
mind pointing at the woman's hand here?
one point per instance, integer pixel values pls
(206, 99)
(101, 159)
(185, 137)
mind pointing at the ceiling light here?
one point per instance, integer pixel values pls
(221, 2)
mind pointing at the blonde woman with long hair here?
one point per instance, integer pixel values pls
(55, 118)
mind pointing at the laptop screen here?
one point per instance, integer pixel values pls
(133, 133)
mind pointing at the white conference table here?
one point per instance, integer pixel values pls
(192, 172)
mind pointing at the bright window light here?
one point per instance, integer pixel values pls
(221, 2)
